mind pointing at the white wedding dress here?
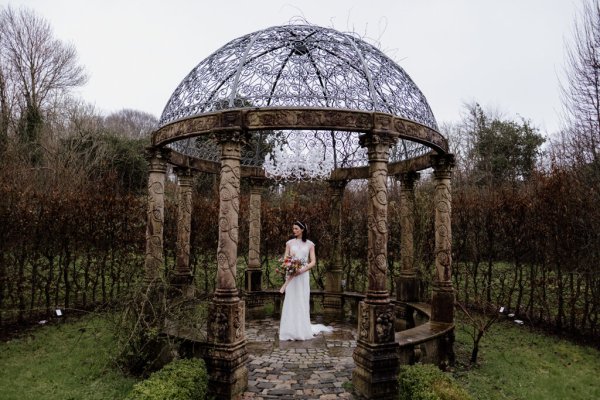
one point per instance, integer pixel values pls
(295, 315)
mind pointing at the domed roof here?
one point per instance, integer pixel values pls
(298, 66)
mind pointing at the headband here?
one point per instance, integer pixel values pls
(300, 224)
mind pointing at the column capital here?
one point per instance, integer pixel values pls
(183, 171)
(408, 179)
(231, 144)
(157, 159)
(257, 185)
(236, 136)
(372, 139)
(442, 163)
(337, 186)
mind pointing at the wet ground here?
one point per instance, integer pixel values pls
(320, 368)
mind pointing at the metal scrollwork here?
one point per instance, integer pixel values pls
(296, 67)
(266, 69)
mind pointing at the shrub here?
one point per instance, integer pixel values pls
(427, 382)
(179, 380)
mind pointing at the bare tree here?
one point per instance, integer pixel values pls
(130, 123)
(37, 65)
(581, 91)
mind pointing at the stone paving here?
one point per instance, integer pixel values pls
(320, 368)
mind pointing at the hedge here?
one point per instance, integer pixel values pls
(427, 382)
(184, 379)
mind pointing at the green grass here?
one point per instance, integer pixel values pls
(517, 363)
(64, 361)
(73, 361)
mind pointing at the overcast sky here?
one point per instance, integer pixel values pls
(507, 55)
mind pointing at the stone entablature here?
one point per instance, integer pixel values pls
(299, 119)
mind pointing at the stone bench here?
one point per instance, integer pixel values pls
(430, 342)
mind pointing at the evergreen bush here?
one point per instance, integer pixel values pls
(427, 382)
(184, 379)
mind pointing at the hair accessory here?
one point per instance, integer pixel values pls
(300, 224)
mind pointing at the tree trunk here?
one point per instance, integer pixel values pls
(475, 351)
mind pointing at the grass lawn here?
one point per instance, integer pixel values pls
(518, 363)
(64, 361)
(73, 361)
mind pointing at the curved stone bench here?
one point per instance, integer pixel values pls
(430, 342)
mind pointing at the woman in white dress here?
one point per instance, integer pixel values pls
(295, 315)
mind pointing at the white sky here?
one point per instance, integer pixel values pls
(508, 55)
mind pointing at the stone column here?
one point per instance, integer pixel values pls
(157, 168)
(254, 273)
(376, 352)
(332, 300)
(253, 281)
(407, 284)
(183, 277)
(228, 374)
(442, 302)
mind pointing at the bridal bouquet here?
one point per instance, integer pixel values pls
(289, 266)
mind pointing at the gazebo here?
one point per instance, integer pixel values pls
(305, 102)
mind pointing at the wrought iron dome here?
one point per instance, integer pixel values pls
(299, 67)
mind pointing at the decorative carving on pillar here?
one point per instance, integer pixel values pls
(407, 287)
(364, 323)
(227, 354)
(254, 222)
(332, 301)
(183, 272)
(443, 293)
(155, 215)
(219, 324)
(376, 352)
(378, 147)
(253, 273)
(384, 325)
(229, 206)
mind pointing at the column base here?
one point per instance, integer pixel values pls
(228, 373)
(376, 373)
(442, 304)
(376, 352)
(404, 318)
(227, 355)
(407, 289)
(253, 280)
(184, 286)
(333, 305)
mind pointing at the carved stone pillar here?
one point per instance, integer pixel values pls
(376, 352)
(226, 322)
(157, 168)
(253, 273)
(183, 277)
(407, 285)
(332, 300)
(253, 278)
(442, 302)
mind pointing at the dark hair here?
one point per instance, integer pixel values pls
(304, 230)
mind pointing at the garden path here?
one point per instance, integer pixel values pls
(313, 369)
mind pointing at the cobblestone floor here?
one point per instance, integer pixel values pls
(320, 368)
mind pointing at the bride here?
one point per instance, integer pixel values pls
(295, 316)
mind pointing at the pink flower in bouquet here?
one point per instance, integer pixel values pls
(289, 266)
